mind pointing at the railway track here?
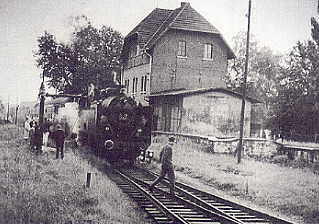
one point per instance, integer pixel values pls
(189, 205)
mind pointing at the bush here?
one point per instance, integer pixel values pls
(315, 167)
(281, 159)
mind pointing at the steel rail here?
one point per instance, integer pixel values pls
(258, 214)
(221, 217)
(158, 204)
(223, 202)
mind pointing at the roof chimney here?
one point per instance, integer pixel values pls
(183, 4)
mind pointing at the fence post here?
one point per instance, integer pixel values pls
(212, 146)
(246, 185)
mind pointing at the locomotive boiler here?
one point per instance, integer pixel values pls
(116, 126)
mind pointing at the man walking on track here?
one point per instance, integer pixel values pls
(167, 166)
(59, 137)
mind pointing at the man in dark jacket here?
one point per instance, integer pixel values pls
(59, 137)
(167, 166)
(35, 137)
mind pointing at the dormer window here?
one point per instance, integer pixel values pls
(182, 48)
(134, 51)
(208, 51)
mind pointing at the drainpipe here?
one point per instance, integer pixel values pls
(150, 67)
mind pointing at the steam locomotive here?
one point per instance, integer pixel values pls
(115, 125)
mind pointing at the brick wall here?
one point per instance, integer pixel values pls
(170, 71)
(211, 114)
(214, 114)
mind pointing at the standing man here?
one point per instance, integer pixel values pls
(37, 138)
(59, 137)
(26, 129)
(31, 135)
(167, 166)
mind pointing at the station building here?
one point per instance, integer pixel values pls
(175, 60)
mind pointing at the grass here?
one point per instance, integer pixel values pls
(39, 189)
(280, 189)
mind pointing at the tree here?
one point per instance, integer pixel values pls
(315, 30)
(1, 107)
(289, 86)
(91, 56)
(262, 70)
(297, 108)
(234, 77)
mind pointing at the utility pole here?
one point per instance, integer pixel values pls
(242, 113)
(16, 119)
(16, 114)
(8, 112)
(41, 111)
(42, 99)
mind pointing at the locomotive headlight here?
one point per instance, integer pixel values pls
(107, 128)
(150, 154)
(109, 144)
(139, 130)
(142, 156)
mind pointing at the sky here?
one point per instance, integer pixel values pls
(278, 24)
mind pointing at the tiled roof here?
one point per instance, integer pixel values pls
(189, 19)
(152, 27)
(149, 25)
(165, 26)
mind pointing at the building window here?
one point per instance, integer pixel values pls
(56, 109)
(143, 84)
(137, 50)
(182, 48)
(127, 85)
(136, 82)
(134, 51)
(134, 87)
(208, 51)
